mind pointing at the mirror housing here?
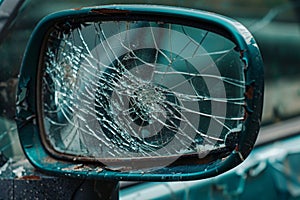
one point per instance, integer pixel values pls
(83, 66)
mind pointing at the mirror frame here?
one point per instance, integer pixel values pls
(28, 115)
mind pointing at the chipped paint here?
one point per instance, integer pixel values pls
(19, 171)
(106, 11)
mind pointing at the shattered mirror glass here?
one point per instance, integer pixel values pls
(120, 92)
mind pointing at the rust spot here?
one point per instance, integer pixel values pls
(119, 168)
(77, 8)
(236, 148)
(105, 11)
(79, 167)
(242, 53)
(249, 92)
(30, 177)
(245, 115)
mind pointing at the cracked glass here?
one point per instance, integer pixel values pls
(141, 89)
(274, 24)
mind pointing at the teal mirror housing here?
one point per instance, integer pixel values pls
(139, 92)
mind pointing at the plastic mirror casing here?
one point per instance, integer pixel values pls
(27, 104)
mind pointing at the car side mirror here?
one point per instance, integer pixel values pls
(139, 92)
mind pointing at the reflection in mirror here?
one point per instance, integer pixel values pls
(119, 92)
